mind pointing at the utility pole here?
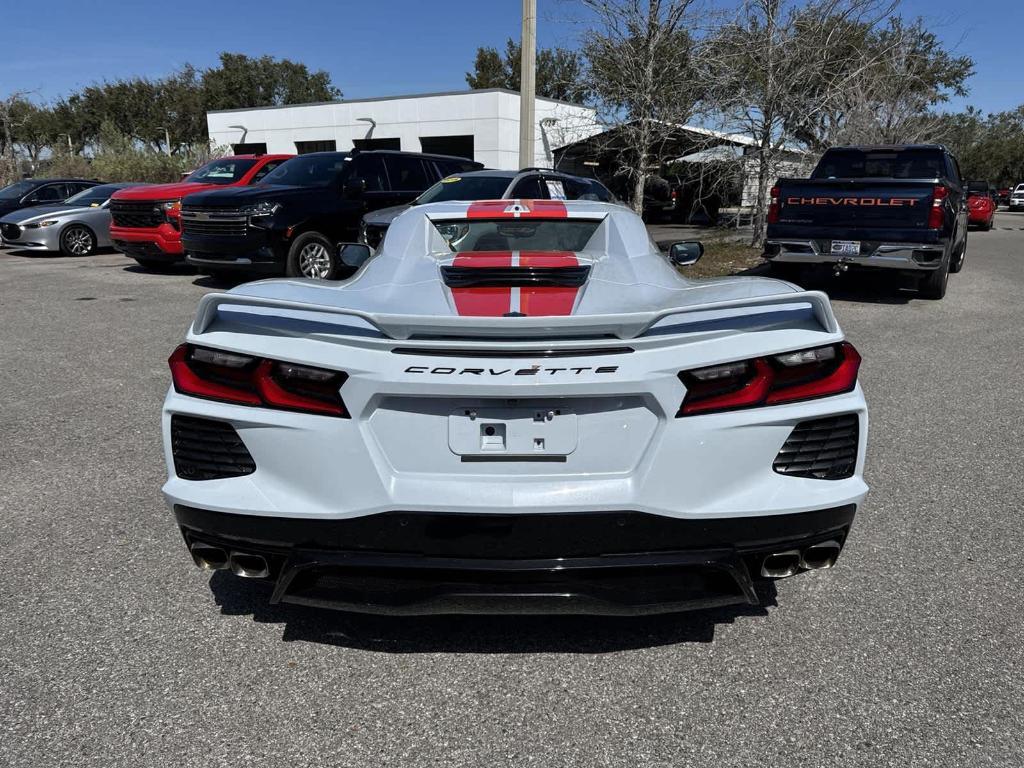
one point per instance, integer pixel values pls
(528, 84)
(167, 138)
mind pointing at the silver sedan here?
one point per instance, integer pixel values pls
(76, 227)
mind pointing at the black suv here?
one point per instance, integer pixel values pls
(292, 221)
(29, 192)
(528, 184)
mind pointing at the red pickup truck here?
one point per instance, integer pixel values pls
(146, 221)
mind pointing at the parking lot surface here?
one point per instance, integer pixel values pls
(116, 651)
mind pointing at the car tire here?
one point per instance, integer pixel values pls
(956, 263)
(154, 264)
(77, 240)
(933, 286)
(314, 256)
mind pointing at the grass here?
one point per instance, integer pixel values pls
(724, 256)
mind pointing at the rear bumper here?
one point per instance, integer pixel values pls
(148, 242)
(915, 257)
(609, 563)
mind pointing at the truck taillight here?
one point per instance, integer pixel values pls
(773, 207)
(787, 378)
(228, 377)
(937, 214)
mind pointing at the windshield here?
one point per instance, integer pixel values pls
(224, 171)
(517, 234)
(466, 188)
(93, 195)
(17, 189)
(884, 164)
(308, 170)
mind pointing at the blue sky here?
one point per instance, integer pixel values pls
(383, 47)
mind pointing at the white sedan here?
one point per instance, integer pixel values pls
(515, 406)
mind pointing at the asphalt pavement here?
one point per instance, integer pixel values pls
(116, 651)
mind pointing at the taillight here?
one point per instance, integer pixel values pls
(773, 207)
(243, 380)
(803, 375)
(937, 214)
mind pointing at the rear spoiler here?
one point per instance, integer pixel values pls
(623, 325)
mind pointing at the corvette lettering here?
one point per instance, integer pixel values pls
(864, 202)
(532, 371)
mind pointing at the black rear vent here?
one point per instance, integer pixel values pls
(511, 277)
(824, 449)
(208, 450)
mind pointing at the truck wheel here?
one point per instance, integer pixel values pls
(934, 285)
(313, 255)
(77, 240)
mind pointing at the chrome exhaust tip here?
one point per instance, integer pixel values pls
(249, 566)
(820, 556)
(779, 565)
(208, 557)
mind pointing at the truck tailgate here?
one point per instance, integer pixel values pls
(864, 204)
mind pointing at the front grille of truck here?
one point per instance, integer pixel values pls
(216, 222)
(126, 214)
(10, 231)
(204, 449)
(823, 449)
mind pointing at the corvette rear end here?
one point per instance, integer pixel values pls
(472, 427)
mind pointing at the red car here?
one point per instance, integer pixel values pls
(981, 204)
(146, 221)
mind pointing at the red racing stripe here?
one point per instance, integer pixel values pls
(547, 300)
(483, 302)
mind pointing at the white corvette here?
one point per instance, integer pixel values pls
(515, 406)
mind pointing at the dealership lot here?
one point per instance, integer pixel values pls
(114, 650)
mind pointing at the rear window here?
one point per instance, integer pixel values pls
(883, 164)
(518, 234)
(17, 189)
(466, 188)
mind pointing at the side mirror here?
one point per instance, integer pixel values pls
(685, 253)
(354, 187)
(354, 254)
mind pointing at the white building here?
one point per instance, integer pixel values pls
(482, 125)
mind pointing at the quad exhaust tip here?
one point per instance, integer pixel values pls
(208, 557)
(779, 565)
(820, 556)
(249, 566)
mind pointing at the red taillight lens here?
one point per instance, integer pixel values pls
(787, 378)
(773, 207)
(937, 213)
(231, 378)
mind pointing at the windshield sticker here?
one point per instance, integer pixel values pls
(451, 179)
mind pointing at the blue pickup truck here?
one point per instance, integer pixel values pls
(900, 208)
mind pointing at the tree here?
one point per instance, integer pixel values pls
(559, 72)
(900, 74)
(243, 81)
(640, 70)
(779, 65)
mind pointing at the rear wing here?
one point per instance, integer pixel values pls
(622, 325)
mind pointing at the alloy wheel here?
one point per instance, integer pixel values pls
(315, 261)
(78, 241)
